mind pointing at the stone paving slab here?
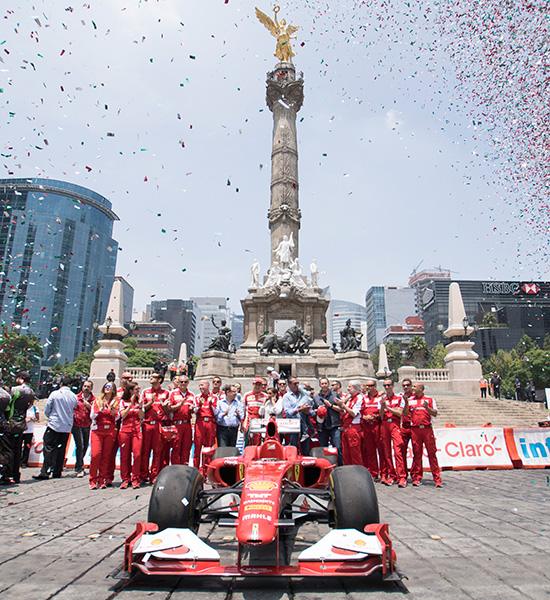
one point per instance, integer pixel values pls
(492, 528)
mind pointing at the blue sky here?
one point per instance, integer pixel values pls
(160, 107)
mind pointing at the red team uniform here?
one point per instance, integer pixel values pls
(371, 434)
(129, 440)
(252, 403)
(406, 433)
(351, 431)
(181, 419)
(102, 438)
(390, 431)
(205, 425)
(423, 435)
(150, 429)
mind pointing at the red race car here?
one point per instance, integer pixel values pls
(264, 495)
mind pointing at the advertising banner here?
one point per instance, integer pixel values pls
(472, 448)
(468, 448)
(530, 446)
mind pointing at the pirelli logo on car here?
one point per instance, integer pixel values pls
(261, 485)
(265, 507)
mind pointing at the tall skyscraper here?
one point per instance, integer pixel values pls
(185, 318)
(387, 305)
(57, 260)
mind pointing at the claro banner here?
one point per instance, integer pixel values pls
(529, 447)
(471, 448)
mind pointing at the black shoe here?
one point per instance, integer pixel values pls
(41, 476)
(5, 481)
(56, 476)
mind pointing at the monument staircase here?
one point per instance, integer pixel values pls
(473, 411)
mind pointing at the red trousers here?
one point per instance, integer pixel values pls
(371, 447)
(184, 441)
(424, 437)
(205, 435)
(101, 442)
(406, 433)
(130, 454)
(150, 442)
(112, 460)
(351, 445)
(391, 432)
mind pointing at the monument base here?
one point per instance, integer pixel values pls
(109, 356)
(354, 364)
(464, 369)
(247, 363)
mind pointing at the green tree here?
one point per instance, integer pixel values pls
(546, 342)
(525, 345)
(137, 357)
(18, 353)
(395, 357)
(489, 320)
(418, 352)
(437, 357)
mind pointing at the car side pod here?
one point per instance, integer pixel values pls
(340, 553)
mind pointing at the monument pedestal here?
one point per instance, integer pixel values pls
(354, 364)
(215, 363)
(464, 369)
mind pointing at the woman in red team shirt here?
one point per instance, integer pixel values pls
(103, 434)
(129, 437)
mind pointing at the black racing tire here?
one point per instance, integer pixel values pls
(225, 452)
(354, 498)
(319, 452)
(176, 498)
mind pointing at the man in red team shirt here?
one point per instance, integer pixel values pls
(217, 387)
(182, 404)
(253, 401)
(351, 424)
(391, 409)
(406, 431)
(422, 409)
(205, 425)
(370, 420)
(152, 401)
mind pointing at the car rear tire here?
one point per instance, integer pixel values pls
(354, 498)
(226, 452)
(176, 498)
(319, 452)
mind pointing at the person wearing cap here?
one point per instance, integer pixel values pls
(253, 401)
(328, 417)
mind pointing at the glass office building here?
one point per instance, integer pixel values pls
(57, 263)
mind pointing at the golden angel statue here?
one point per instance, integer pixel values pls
(282, 32)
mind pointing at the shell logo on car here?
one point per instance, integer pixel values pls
(261, 485)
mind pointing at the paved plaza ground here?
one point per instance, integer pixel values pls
(483, 536)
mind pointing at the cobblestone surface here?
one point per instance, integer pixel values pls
(60, 540)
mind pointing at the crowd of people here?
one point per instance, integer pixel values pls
(155, 427)
(493, 385)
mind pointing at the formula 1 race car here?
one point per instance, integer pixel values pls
(264, 495)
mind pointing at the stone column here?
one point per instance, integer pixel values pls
(464, 368)
(284, 98)
(111, 348)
